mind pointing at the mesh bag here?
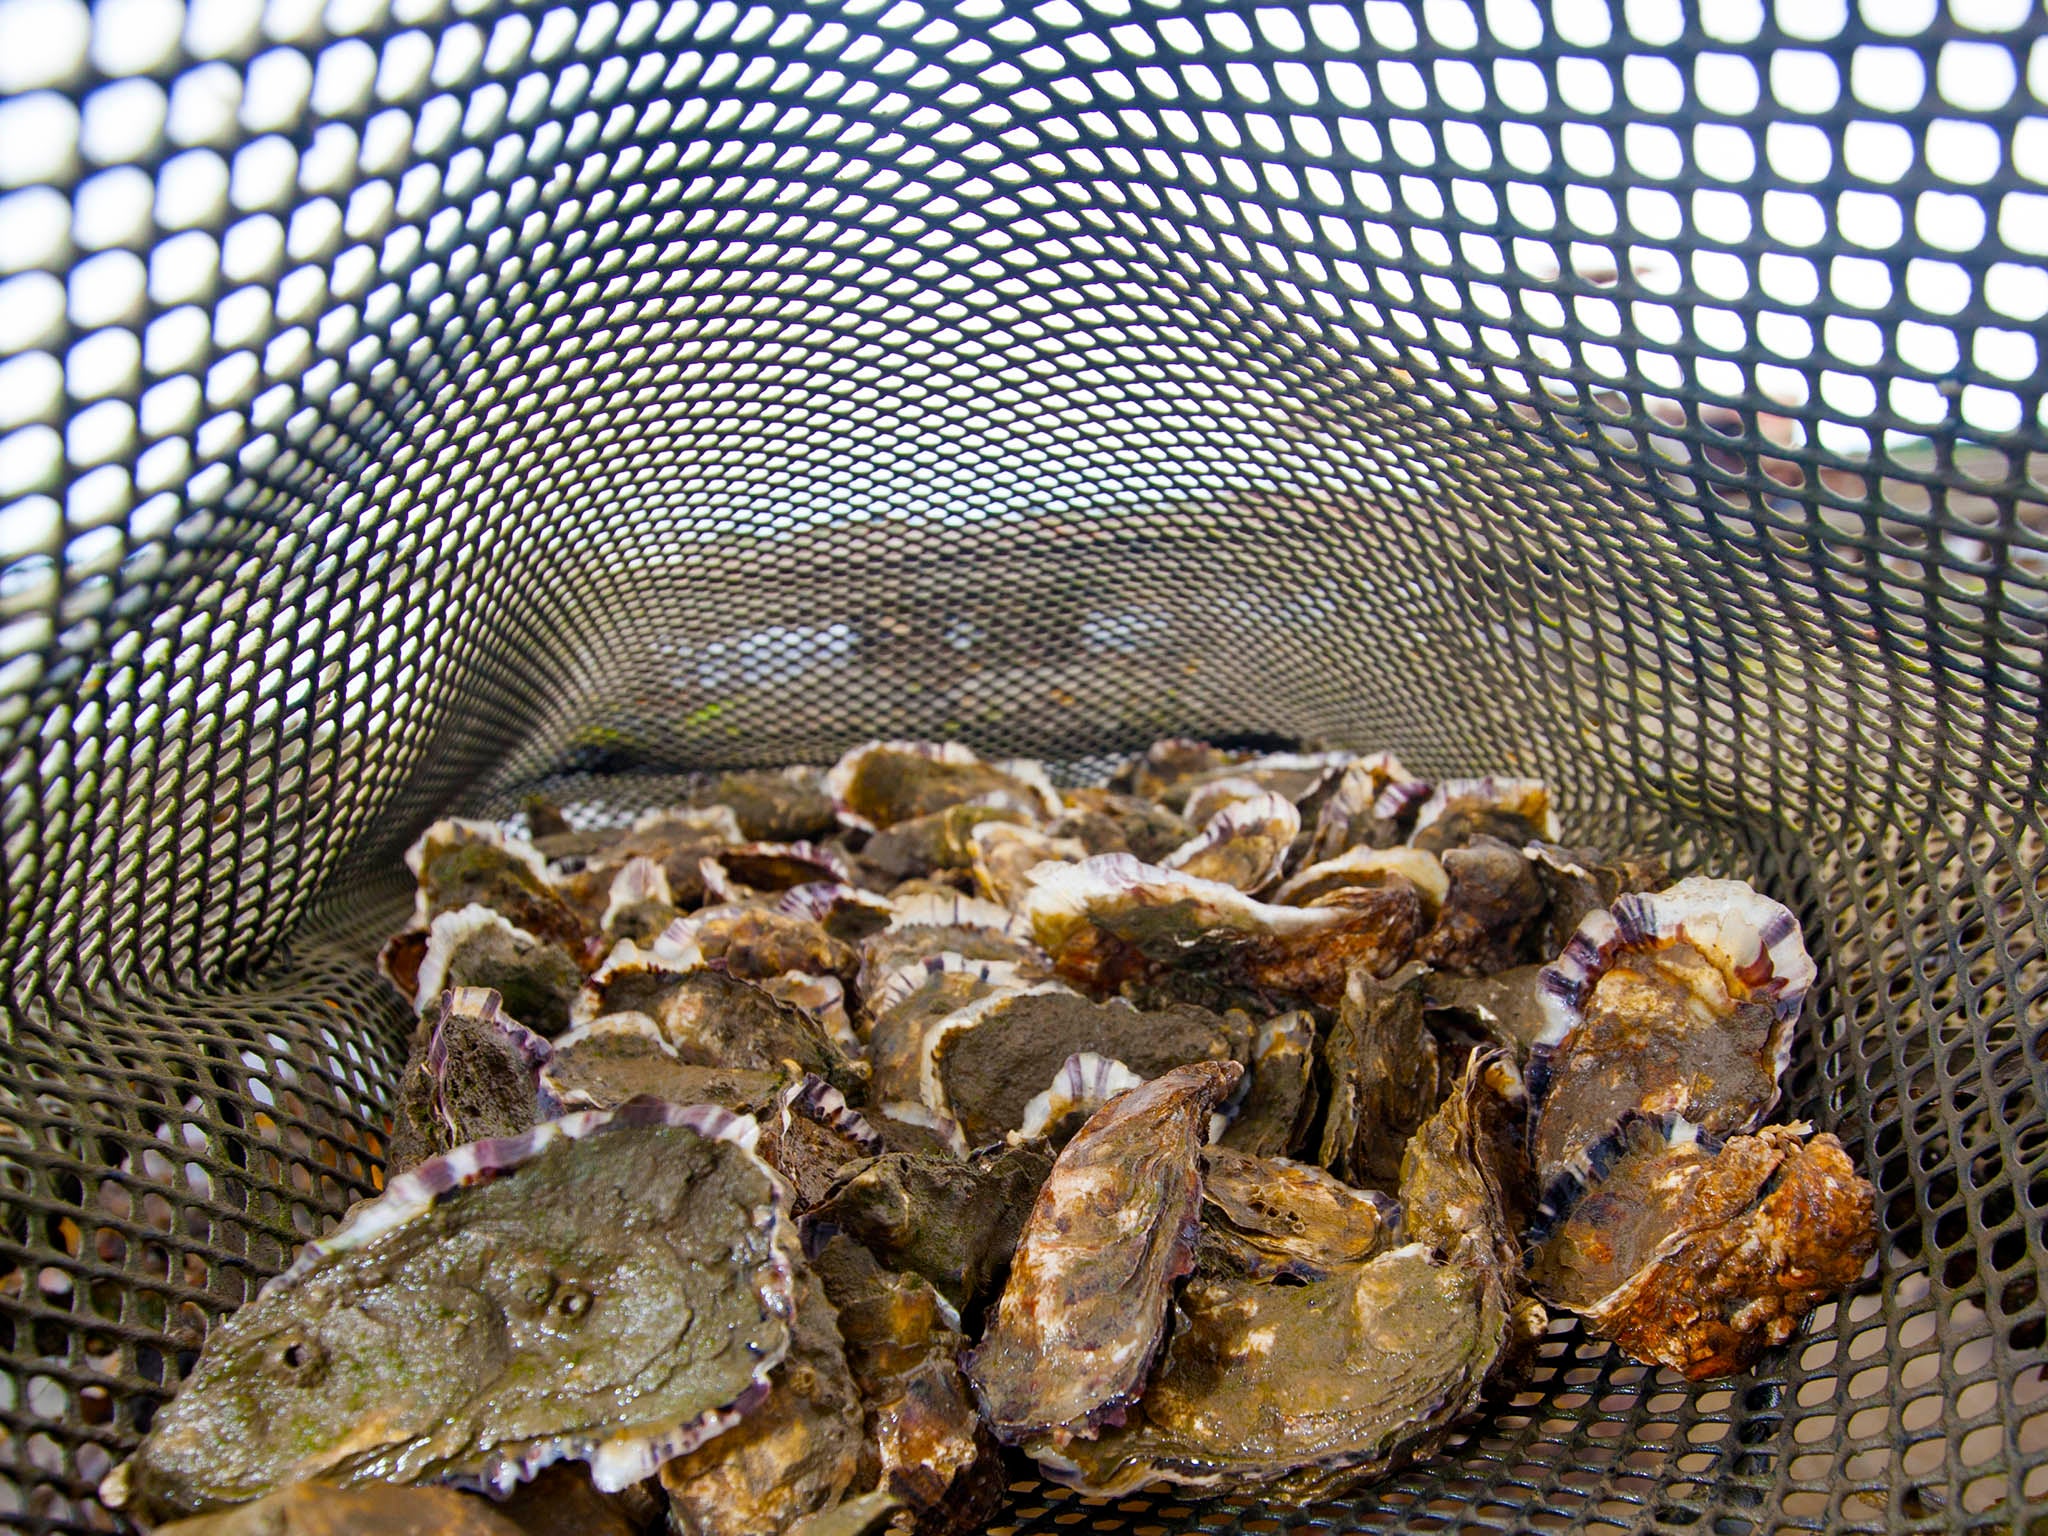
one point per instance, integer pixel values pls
(407, 402)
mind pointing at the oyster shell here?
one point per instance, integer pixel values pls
(1264, 1218)
(1106, 822)
(776, 805)
(1368, 867)
(1380, 1078)
(1170, 768)
(678, 839)
(983, 1065)
(1206, 799)
(772, 868)
(1516, 811)
(1507, 1006)
(1083, 1084)
(934, 1456)
(925, 845)
(1083, 1313)
(756, 942)
(925, 926)
(865, 1514)
(463, 863)
(914, 998)
(1111, 922)
(640, 903)
(472, 1073)
(886, 782)
(1464, 1176)
(613, 1288)
(1354, 815)
(824, 999)
(1004, 855)
(1581, 881)
(795, 1454)
(955, 1222)
(1698, 1254)
(624, 1056)
(813, 1136)
(845, 912)
(1281, 1101)
(1244, 844)
(316, 1509)
(1492, 911)
(474, 947)
(1680, 1003)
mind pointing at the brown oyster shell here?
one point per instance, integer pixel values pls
(1380, 1078)
(1268, 1217)
(1085, 1308)
(1492, 913)
(1280, 1105)
(472, 1073)
(320, 1509)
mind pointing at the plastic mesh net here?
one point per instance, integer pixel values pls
(404, 401)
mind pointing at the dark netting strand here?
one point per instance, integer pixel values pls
(406, 402)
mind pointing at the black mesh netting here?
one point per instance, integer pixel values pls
(406, 401)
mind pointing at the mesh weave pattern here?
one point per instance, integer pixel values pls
(403, 401)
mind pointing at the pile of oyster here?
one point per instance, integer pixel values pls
(771, 1164)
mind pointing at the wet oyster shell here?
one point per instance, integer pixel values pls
(1505, 1007)
(623, 1056)
(1243, 844)
(639, 904)
(1264, 1218)
(1084, 1311)
(508, 876)
(813, 1136)
(1516, 811)
(1492, 913)
(776, 867)
(1106, 822)
(472, 1073)
(1368, 867)
(1580, 881)
(1380, 1078)
(798, 1452)
(1352, 815)
(613, 1288)
(955, 1222)
(318, 1509)
(915, 998)
(1110, 922)
(983, 1065)
(886, 782)
(1280, 1104)
(845, 912)
(1697, 1254)
(1170, 768)
(1464, 1177)
(474, 947)
(1084, 1083)
(1681, 1003)
(925, 845)
(756, 943)
(776, 805)
(562, 1502)
(1004, 855)
(934, 1455)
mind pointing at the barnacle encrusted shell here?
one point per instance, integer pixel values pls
(1085, 1308)
(474, 946)
(1681, 1002)
(1084, 1083)
(1280, 1102)
(1368, 866)
(1111, 921)
(473, 1072)
(613, 1288)
(1698, 1254)
(884, 782)
(1516, 811)
(1244, 844)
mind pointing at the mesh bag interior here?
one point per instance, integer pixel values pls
(405, 402)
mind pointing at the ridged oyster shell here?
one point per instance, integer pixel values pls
(472, 1073)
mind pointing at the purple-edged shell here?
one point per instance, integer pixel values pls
(1679, 1002)
(473, 1073)
(845, 912)
(1084, 1312)
(1363, 808)
(813, 1136)
(1084, 1083)
(474, 946)
(1244, 844)
(613, 1288)
(1367, 866)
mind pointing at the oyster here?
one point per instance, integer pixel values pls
(472, 1073)
(1697, 1254)
(758, 942)
(955, 1222)
(1465, 1176)
(926, 925)
(982, 1065)
(1379, 1079)
(467, 863)
(316, 1509)
(679, 840)
(474, 947)
(1084, 1311)
(813, 1136)
(911, 1001)
(1359, 812)
(845, 912)
(776, 867)
(798, 1452)
(1170, 768)
(609, 1287)
(777, 805)
(1580, 881)
(562, 1502)
(1004, 855)
(1676, 1003)
(1492, 911)
(824, 999)
(1111, 922)
(1516, 811)
(1281, 1100)
(1506, 1007)
(1264, 1218)
(886, 782)
(925, 845)
(865, 1514)
(1244, 844)
(544, 819)
(1311, 1386)
(1368, 867)
(1082, 1085)
(1103, 821)
(639, 904)
(905, 1355)
(624, 1056)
